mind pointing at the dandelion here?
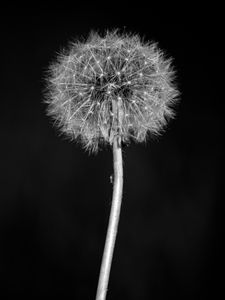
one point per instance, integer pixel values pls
(109, 90)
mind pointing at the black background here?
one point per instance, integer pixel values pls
(55, 198)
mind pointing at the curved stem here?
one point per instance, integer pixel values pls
(113, 220)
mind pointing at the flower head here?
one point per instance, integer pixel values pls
(108, 86)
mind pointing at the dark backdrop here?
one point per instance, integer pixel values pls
(55, 198)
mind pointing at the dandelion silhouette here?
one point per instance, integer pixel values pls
(109, 90)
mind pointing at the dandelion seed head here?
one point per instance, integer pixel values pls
(111, 85)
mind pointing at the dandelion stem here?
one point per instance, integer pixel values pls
(113, 220)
